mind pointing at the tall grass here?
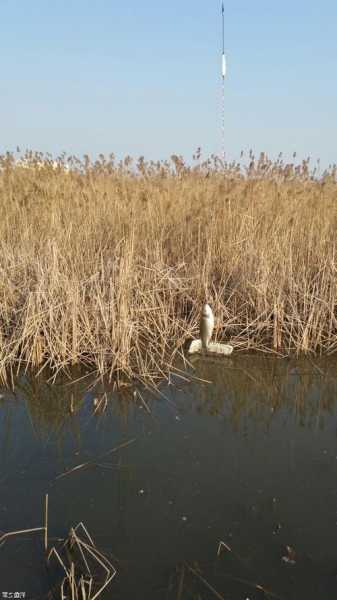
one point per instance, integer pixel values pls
(106, 264)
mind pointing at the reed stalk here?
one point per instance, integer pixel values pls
(106, 264)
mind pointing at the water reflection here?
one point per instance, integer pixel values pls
(254, 388)
(249, 458)
(261, 388)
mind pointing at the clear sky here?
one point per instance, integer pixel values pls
(86, 76)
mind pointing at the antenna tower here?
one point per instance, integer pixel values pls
(223, 75)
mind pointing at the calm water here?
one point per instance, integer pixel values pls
(250, 459)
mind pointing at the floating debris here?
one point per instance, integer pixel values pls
(277, 528)
(290, 557)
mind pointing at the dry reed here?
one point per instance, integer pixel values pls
(86, 570)
(106, 264)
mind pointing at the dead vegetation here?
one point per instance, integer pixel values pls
(83, 571)
(189, 580)
(87, 571)
(105, 265)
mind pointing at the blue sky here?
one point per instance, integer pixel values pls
(143, 78)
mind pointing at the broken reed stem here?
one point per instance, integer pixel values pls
(20, 532)
(181, 583)
(143, 402)
(253, 585)
(87, 465)
(46, 523)
(72, 581)
(222, 545)
(100, 559)
(76, 582)
(205, 582)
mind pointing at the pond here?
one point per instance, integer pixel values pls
(245, 454)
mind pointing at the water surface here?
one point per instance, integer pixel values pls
(249, 458)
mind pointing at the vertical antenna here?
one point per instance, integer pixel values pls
(223, 73)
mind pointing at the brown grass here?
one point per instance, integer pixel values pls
(106, 265)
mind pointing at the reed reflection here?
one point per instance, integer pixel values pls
(261, 389)
(256, 389)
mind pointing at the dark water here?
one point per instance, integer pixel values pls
(250, 459)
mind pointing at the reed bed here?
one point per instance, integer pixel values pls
(106, 264)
